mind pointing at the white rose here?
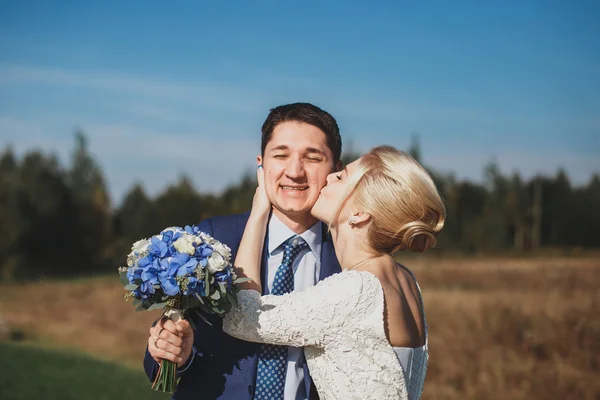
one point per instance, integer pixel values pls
(174, 229)
(222, 249)
(140, 246)
(183, 245)
(216, 262)
(192, 239)
(207, 239)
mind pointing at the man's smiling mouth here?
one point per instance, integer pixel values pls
(296, 188)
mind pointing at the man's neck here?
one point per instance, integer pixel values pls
(298, 223)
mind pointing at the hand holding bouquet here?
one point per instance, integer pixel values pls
(180, 271)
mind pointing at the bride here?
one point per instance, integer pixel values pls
(363, 330)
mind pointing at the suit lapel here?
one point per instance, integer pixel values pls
(264, 268)
(329, 262)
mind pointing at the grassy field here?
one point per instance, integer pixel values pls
(34, 373)
(499, 328)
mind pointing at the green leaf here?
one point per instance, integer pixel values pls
(232, 299)
(242, 280)
(204, 318)
(141, 307)
(199, 298)
(136, 302)
(157, 306)
(216, 295)
(123, 278)
(132, 286)
(219, 311)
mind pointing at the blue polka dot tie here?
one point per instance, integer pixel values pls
(272, 360)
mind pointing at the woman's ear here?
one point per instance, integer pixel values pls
(358, 218)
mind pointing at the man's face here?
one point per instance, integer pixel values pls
(296, 163)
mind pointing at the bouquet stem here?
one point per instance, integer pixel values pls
(166, 379)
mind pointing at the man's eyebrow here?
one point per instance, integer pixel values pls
(315, 150)
(280, 147)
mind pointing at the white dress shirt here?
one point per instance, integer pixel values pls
(307, 266)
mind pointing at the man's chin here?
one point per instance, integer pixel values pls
(293, 209)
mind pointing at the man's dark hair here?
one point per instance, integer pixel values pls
(308, 114)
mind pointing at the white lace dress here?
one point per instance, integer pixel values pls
(339, 322)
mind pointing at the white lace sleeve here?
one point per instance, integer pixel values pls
(311, 317)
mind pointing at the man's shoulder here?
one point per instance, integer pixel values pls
(227, 228)
(225, 220)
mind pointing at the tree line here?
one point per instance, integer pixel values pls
(58, 221)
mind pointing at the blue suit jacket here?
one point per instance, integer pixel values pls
(225, 367)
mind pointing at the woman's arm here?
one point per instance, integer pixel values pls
(312, 317)
(249, 255)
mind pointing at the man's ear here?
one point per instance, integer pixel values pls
(259, 160)
(339, 166)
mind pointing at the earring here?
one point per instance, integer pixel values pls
(352, 221)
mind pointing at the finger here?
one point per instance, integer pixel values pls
(168, 347)
(156, 331)
(183, 326)
(158, 326)
(171, 326)
(260, 175)
(160, 349)
(170, 338)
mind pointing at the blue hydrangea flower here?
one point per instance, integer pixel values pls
(195, 286)
(150, 273)
(168, 283)
(224, 276)
(204, 250)
(184, 264)
(133, 274)
(146, 288)
(158, 275)
(158, 248)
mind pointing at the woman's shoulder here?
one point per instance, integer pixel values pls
(409, 281)
(363, 279)
(396, 278)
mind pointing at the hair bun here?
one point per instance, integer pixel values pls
(417, 236)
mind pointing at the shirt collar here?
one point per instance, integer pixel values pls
(279, 233)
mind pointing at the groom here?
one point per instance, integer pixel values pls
(300, 146)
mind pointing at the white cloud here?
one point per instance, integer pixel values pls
(211, 96)
(160, 129)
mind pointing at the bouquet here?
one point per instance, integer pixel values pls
(180, 271)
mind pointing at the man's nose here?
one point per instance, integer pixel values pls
(295, 168)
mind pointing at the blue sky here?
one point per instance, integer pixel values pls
(164, 89)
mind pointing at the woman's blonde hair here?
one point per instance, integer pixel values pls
(407, 212)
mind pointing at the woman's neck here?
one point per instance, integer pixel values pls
(351, 248)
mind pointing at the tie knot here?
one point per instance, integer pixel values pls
(292, 247)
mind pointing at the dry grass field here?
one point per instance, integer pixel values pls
(499, 328)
